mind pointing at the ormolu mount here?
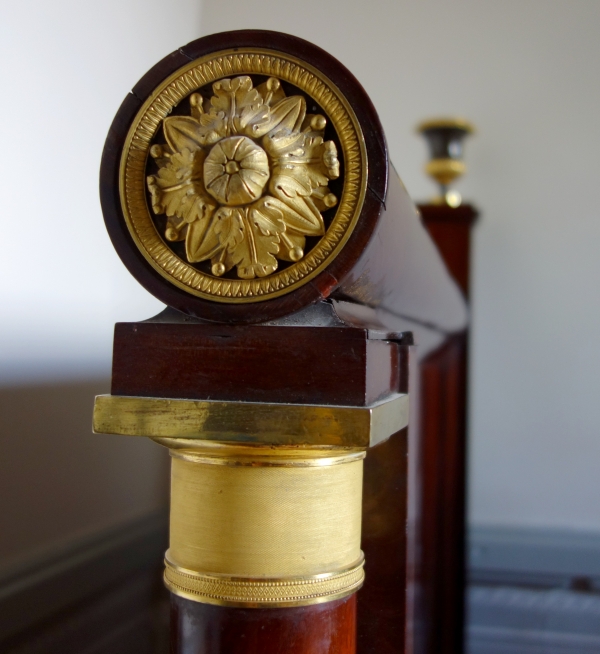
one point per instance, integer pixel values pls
(245, 183)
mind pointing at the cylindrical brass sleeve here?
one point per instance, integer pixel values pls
(265, 526)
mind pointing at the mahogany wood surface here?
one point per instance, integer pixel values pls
(450, 228)
(382, 609)
(443, 467)
(382, 600)
(297, 365)
(401, 274)
(328, 628)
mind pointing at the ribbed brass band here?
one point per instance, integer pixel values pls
(265, 526)
(262, 592)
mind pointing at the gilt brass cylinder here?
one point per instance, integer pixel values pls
(265, 526)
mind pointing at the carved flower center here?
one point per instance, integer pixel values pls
(236, 171)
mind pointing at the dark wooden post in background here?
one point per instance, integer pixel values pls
(444, 388)
(245, 183)
(450, 228)
(444, 446)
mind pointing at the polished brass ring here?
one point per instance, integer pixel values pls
(261, 592)
(221, 454)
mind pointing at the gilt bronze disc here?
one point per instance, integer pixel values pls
(242, 175)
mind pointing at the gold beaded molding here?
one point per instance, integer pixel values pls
(231, 591)
(185, 81)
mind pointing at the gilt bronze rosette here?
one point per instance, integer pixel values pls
(242, 174)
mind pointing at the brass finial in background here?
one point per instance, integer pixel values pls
(445, 139)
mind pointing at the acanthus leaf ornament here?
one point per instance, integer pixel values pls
(244, 179)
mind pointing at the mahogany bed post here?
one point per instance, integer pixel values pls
(245, 183)
(444, 379)
(444, 374)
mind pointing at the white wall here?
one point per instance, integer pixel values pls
(66, 67)
(526, 72)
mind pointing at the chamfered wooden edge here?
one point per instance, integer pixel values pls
(323, 284)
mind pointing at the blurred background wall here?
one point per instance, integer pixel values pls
(82, 517)
(66, 67)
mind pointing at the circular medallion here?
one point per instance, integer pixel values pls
(243, 175)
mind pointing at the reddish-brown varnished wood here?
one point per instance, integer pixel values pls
(401, 274)
(328, 628)
(450, 228)
(381, 603)
(381, 607)
(337, 365)
(443, 443)
(297, 365)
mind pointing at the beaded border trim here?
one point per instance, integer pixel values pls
(253, 592)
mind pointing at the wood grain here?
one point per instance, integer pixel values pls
(296, 365)
(328, 628)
